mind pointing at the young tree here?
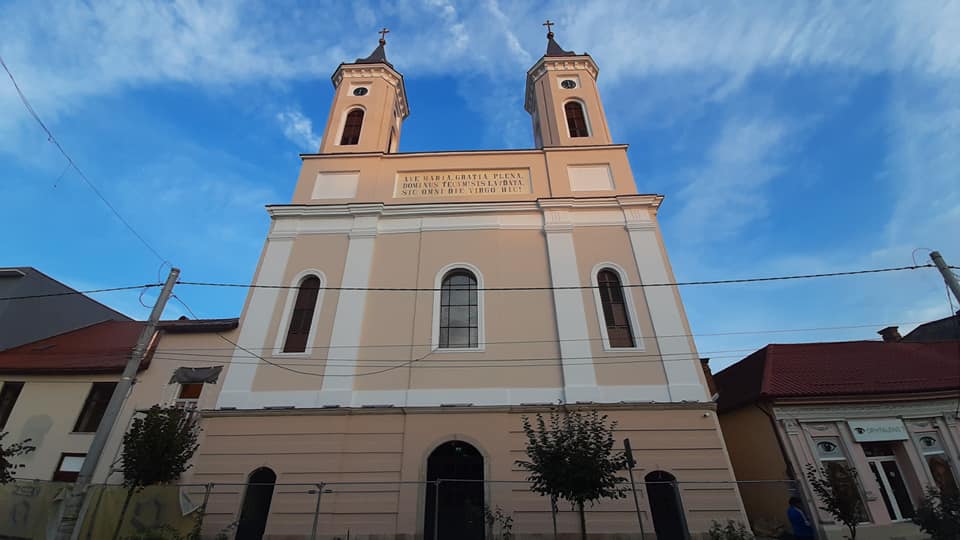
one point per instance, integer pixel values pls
(157, 450)
(837, 490)
(939, 514)
(7, 468)
(573, 459)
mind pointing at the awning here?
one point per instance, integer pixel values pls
(187, 375)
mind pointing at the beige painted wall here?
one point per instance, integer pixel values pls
(388, 446)
(548, 172)
(46, 412)
(153, 388)
(756, 456)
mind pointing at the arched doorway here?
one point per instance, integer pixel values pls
(460, 512)
(256, 504)
(666, 508)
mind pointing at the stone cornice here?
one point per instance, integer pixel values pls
(456, 409)
(621, 201)
(580, 62)
(383, 71)
(403, 155)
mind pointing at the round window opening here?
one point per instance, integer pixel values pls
(360, 91)
(568, 83)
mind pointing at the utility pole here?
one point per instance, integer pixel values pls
(947, 274)
(74, 502)
(631, 463)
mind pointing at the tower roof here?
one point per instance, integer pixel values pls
(379, 55)
(553, 48)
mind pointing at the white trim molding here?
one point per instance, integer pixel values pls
(348, 320)
(628, 300)
(287, 312)
(435, 325)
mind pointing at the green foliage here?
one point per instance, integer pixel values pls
(939, 515)
(839, 497)
(499, 524)
(164, 532)
(7, 468)
(732, 530)
(158, 447)
(572, 458)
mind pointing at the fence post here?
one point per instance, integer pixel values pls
(436, 509)
(683, 512)
(202, 511)
(316, 511)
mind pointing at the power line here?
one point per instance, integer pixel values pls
(570, 287)
(51, 138)
(91, 291)
(500, 289)
(195, 350)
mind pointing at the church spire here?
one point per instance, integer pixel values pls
(553, 48)
(379, 55)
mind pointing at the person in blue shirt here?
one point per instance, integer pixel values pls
(798, 520)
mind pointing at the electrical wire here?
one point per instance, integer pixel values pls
(52, 139)
(90, 291)
(573, 287)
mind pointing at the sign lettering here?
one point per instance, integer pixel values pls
(461, 183)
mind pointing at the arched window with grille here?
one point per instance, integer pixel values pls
(576, 119)
(301, 318)
(351, 128)
(616, 314)
(459, 321)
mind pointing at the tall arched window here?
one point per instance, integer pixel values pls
(576, 119)
(459, 313)
(302, 315)
(615, 313)
(351, 129)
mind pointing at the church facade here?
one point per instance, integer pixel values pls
(410, 308)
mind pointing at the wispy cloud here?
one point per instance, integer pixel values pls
(729, 191)
(299, 129)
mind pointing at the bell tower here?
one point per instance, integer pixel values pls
(369, 106)
(563, 99)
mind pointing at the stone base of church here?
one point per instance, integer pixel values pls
(373, 464)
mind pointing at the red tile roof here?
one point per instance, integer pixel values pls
(100, 348)
(840, 369)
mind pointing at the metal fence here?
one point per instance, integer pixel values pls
(433, 510)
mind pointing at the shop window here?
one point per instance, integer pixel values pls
(8, 398)
(882, 460)
(940, 470)
(836, 469)
(94, 407)
(69, 467)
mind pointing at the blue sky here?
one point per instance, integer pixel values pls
(787, 137)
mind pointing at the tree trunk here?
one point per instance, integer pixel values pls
(553, 513)
(583, 521)
(123, 513)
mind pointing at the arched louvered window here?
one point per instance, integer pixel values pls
(615, 313)
(302, 315)
(459, 313)
(351, 129)
(576, 119)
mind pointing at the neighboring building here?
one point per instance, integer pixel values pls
(402, 388)
(53, 309)
(55, 391)
(888, 409)
(946, 329)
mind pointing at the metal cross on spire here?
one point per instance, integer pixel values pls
(549, 24)
(383, 35)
